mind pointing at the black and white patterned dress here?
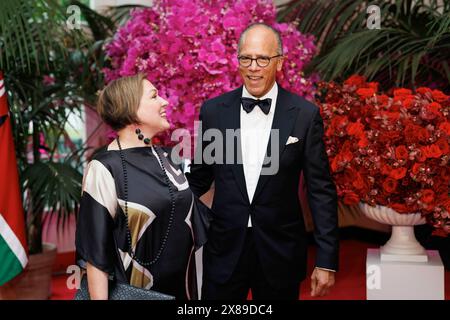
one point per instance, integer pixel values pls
(101, 235)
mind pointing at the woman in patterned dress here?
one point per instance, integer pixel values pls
(138, 219)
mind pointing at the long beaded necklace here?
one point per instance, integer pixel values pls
(172, 208)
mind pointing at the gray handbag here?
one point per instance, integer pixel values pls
(122, 291)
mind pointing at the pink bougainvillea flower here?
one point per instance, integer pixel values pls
(188, 49)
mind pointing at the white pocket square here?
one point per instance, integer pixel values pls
(291, 140)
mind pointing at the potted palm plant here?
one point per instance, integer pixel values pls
(411, 48)
(51, 72)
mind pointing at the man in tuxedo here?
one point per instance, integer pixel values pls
(257, 238)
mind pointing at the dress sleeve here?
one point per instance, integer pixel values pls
(94, 238)
(201, 218)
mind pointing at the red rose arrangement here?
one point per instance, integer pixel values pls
(389, 149)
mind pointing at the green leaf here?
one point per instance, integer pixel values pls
(412, 46)
(54, 187)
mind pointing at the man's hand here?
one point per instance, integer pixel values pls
(321, 282)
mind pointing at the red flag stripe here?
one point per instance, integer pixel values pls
(10, 199)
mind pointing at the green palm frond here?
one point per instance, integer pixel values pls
(59, 192)
(51, 72)
(31, 33)
(360, 53)
(412, 47)
(442, 24)
(121, 14)
(328, 20)
(91, 58)
(100, 26)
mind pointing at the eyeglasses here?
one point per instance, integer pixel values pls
(260, 61)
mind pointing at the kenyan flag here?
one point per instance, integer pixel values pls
(13, 257)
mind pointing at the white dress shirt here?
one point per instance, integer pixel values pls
(255, 134)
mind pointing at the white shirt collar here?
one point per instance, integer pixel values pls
(271, 94)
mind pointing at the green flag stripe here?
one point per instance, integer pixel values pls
(12, 241)
(10, 265)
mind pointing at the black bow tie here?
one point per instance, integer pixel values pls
(248, 104)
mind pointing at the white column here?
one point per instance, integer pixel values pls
(279, 2)
(102, 4)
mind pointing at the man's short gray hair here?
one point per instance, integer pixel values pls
(253, 25)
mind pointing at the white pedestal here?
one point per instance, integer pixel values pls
(398, 280)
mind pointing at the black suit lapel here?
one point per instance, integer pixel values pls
(231, 119)
(283, 120)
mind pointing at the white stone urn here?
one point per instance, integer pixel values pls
(402, 245)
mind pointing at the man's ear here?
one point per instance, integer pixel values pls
(280, 63)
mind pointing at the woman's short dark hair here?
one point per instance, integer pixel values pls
(119, 101)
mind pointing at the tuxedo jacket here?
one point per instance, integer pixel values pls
(276, 215)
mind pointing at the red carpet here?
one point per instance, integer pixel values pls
(350, 280)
